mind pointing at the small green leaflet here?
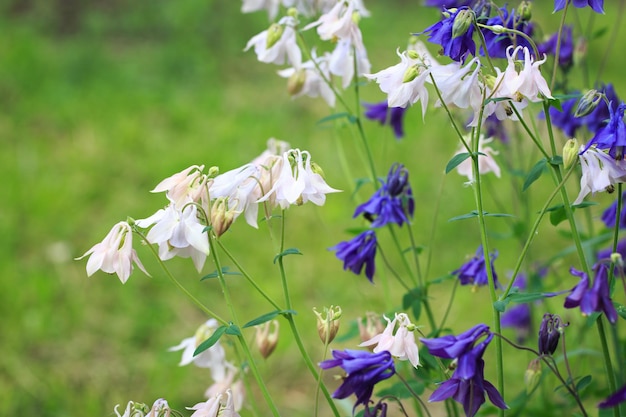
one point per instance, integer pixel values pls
(290, 251)
(456, 160)
(214, 274)
(267, 317)
(535, 173)
(474, 213)
(231, 329)
(336, 116)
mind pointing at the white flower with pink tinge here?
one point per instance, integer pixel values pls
(398, 339)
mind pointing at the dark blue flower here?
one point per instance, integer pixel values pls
(358, 252)
(495, 128)
(566, 51)
(595, 299)
(394, 116)
(596, 5)
(451, 347)
(613, 135)
(498, 42)
(549, 333)
(379, 410)
(392, 202)
(363, 369)
(456, 47)
(565, 119)
(610, 214)
(598, 118)
(467, 385)
(448, 3)
(614, 399)
(474, 271)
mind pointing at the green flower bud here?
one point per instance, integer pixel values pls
(532, 376)
(295, 83)
(293, 12)
(214, 172)
(570, 153)
(274, 33)
(462, 22)
(524, 10)
(413, 54)
(410, 74)
(616, 258)
(588, 103)
(328, 323)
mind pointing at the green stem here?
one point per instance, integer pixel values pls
(240, 338)
(292, 324)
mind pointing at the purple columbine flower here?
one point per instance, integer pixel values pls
(549, 333)
(467, 385)
(456, 47)
(358, 252)
(566, 51)
(518, 317)
(474, 271)
(565, 119)
(495, 128)
(610, 214)
(393, 117)
(596, 5)
(393, 202)
(613, 135)
(498, 42)
(363, 369)
(614, 399)
(595, 299)
(448, 3)
(597, 119)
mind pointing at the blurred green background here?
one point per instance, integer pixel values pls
(99, 101)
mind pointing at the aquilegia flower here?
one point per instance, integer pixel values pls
(600, 172)
(401, 344)
(609, 216)
(518, 316)
(467, 385)
(115, 254)
(613, 135)
(278, 44)
(357, 253)
(474, 271)
(216, 406)
(363, 369)
(566, 49)
(486, 161)
(457, 46)
(497, 43)
(393, 202)
(549, 333)
(392, 116)
(596, 5)
(614, 399)
(595, 299)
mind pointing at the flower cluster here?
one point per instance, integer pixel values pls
(474, 271)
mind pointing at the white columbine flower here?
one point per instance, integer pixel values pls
(600, 172)
(341, 61)
(278, 44)
(213, 358)
(271, 6)
(189, 184)
(398, 339)
(115, 254)
(216, 406)
(228, 384)
(297, 183)
(339, 23)
(404, 82)
(307, 81)
(486, 162)
(160, 408)
(178, 233)
(527, 83)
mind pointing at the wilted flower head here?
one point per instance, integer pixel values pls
(600, 172)
(213, 358)
(267, 339)
(357, 253)
(393, 202)
(328, 323)
(115, 254)
(397, 338)
(363, 369)
(595, 299)
(474, 271)
(596, 5)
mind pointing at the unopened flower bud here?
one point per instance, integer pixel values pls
(413, 54)
(490, 81)
(588, 103)
(293, 12)
(373, 326)
(221, 216)
(570, 153)
(274, 33)
(497, 29)
(317, 169)
(410, 74)
(356, 17)
(524, 10)
(266, 341)
(532, 376)
(328, 323)
(213, 172)
(549, 334)
(617, 260)
(462, 22)
(295, 83)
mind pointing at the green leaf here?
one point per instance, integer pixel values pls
(290, 251)
(557, 216)
(211, 340)
(583, 383)
(214, 274)
(469, 215)
(233, 330)
(556, 160)
(456, 160)
(497, 215)
(527, 297)
(399, 390)
(621, 310)
(262, 319)
(413, 300)
(441, 279)
(599, 33)
(336, 116)
(535, 173)
(500, 305)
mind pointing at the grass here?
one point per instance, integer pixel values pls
(90, 122)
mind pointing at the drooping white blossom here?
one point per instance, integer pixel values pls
(398, 339)
(278, 44)
(341, 61)
(189, 184)
(307, 80)
(115, 254)
(600, 172)
(486, 161)
(339, 23)
(271, 6)
(216, 406)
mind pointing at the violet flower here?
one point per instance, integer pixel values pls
(393, 116)
(357, 253)
(596, 5)
(497, 43)
(613, 135)
(614, 399)
(391, 203)
(448, 3)
(595, 299)
(549, 334)
(363, 369)
(450, 346)
(456, 47)
(566, 51)
(474, 271)
(609, 215)
(565, 119)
